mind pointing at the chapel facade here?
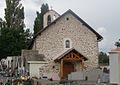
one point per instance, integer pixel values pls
(68, 43)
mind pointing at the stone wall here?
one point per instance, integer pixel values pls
(51, 67)
(51, 41)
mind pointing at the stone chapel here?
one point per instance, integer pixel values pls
(68, 44)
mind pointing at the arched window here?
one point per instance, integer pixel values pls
(54, 17)
(48, 19)
(67, 43)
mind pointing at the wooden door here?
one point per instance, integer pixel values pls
(68, 67)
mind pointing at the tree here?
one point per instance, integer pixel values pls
(14, 14)
(38, 23)
(103, 58)
(2, 25)
(13, 36)
(117, 43)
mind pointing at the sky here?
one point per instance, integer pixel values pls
(102, 15)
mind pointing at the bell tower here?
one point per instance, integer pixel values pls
(49, 17)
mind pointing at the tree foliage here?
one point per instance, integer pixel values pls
(2, 24)
(38, 23)
(103, 58)
(117, 43)
(14, 14)
(13, 37)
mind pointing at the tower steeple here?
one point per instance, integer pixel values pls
(49, 17)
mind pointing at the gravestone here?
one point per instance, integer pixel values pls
(76, 76)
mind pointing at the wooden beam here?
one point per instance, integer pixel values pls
(77, 56)
(71, 54)
(61, 69)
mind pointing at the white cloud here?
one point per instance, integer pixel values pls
(108, 41)
(101, 30)
(103, 43)
(2, 6)
(31, 6)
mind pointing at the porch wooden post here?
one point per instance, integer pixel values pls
(81, 65)
(61, 69)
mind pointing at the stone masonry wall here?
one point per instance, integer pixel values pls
(51, 41)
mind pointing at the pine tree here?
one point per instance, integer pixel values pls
(13, 36)
(14, 14)
(2, 24)
(38, 23)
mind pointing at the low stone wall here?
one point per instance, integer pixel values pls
(45, 82)
(67, 82)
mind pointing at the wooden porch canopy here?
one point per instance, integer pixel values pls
(70, 54)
